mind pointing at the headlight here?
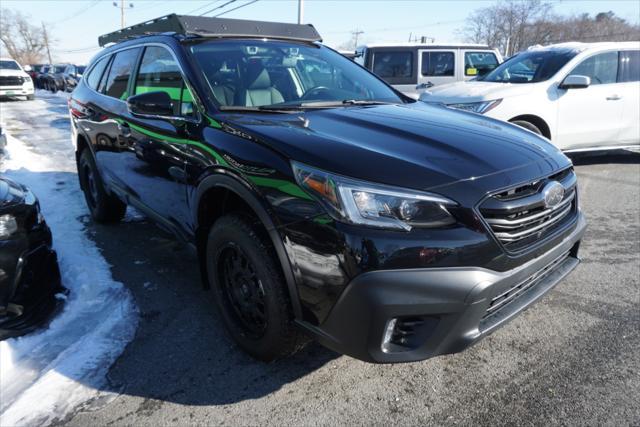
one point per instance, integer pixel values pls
(477, 107)
(8, 226)
(27, 79)
(360, 202)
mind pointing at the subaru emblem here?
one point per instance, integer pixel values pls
(553, 193)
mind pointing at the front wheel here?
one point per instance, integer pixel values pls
(527, 125)
(104, 207)
(249, 289)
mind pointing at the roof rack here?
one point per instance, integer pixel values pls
(213, 27)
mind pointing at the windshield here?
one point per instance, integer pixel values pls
(58, 69)
(263, 73)
(9, 65)
(530, 67)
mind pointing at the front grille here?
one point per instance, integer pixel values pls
(519, 217)
(511, 294)
(11, 81)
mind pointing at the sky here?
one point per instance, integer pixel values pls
(76, 24)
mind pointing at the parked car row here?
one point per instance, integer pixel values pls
(63, 77)
(581, 96)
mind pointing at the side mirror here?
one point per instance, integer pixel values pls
(575, 81)
(151, 105)
(27, 68)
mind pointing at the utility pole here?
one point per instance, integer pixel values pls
(300, 11)
(45, 35)
(122, 9)
(357, 33)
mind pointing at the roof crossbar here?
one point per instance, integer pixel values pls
(213, 27)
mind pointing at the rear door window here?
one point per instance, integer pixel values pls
(117, 82)
(395, 67)
(602, 68)
(96, 73)
(438, 64)
(629, 67)
(479, 63)
(159, 72)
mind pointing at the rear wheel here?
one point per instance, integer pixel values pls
(104, 207)
(249, 289)
(527, 125)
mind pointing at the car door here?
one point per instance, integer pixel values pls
(629, 90)
(592, 116)
(396, 66)
(109, 132)
(155, 163)
(437, 66)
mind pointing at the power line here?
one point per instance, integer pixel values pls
(235, 8)
(405, 27)
(79, 12)
(219, 7)
(202, 7)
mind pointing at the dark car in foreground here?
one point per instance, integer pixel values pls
(318, 197)
(29, 275)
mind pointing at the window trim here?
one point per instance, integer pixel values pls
(190, 86)
(619, 74)
(134, 81)
(467, 52)
(438, 50)
(592, 54)
(412, 79)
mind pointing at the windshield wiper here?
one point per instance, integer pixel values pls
(269, 108)
(325, 104)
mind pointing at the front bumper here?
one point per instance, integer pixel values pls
(25, 89)
(438, 310)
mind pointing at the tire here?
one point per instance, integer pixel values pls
(104, 207)
(53, 87)
(528, 125)
(31, 97)
(249, 289)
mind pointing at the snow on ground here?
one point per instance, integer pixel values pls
(46, 374)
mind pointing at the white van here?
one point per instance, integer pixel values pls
(582, 96)
(414, 67)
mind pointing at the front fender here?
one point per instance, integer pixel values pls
(230, 181)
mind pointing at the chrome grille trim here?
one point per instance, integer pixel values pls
(520, 222)
(514, 223)
(514, 292)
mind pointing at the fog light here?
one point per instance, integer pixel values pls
(407, 333)
(8, 226)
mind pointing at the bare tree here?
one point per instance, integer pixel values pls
(513, 25)
(507, 24)
(23, 41)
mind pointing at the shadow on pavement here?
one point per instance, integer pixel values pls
(181, 352)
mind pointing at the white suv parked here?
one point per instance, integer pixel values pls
(582, 96)
(14, 81)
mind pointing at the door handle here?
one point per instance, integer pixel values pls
(613, 97)
(426, 85)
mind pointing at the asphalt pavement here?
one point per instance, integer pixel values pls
(573, 358)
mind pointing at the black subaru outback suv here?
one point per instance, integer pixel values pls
(319, 198)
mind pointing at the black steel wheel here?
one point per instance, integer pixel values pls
(249, 288)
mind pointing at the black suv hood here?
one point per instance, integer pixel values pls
(414, 145)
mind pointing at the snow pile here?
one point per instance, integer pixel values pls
(46, 374)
